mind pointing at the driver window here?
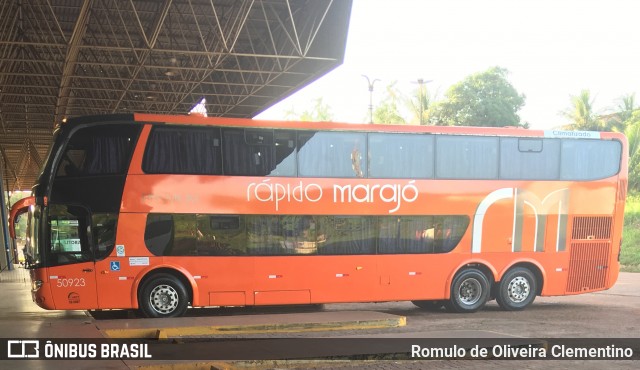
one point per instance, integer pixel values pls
(68, 236)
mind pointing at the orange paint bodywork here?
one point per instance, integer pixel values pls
(300, 279)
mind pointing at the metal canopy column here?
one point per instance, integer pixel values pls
(5, 255)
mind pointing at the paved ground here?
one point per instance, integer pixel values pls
(610, 314)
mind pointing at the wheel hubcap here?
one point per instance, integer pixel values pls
(519, 289)
(470, 291)
(164, 299)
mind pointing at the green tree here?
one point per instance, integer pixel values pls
(581, 114)
(320, 112)
(419, 103)
(632, 131)
(388, 111)
(482, 99)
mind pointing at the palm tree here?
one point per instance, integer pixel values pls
(388, 111)
(581, 113)
(419, 104)
(619, 121)
(632, 131)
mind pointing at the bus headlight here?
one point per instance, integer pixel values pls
(35, 285)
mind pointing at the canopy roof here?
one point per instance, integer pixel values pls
(67, 58)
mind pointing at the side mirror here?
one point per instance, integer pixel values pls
(20, 207)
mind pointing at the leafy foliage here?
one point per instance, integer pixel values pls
(320, 112)
(482, 99)
(581, 115)
(626, 119)
(388, 111)
(632, 131)
(419, 103)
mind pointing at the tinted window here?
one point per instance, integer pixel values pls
(466, 157)
(401, 156)
(103, 230)
(183, 151)
(589, 159)
(221, 235)
(346, 235)
(420, 234)
(158, 235)
(98, 150)
(263, 235)
(529, 159)
(332, 154)
(281, 235)
(184, 236)
(255, 152)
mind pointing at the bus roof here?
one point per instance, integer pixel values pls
(199, 120)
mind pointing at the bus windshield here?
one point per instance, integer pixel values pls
(67, 226)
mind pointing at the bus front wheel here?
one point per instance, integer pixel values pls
(163, 295)
(517, 289)
(469, 291)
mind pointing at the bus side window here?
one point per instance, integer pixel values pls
(332, 154)
(529, 159)
(185, 233)
(103, 227)
(466, 157)
(285, 144)
(248, 152)
(420, 234)
(346, 235)
(158, 235)
(181, 150)
(584, 160)
(408, 156)
(220, 235)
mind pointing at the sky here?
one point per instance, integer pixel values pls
(552, 49)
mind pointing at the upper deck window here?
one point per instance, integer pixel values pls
(401, 156)
(332, 154)
(466, 157)
(98, 150)
(181, 150)
(589, 159)
(529, 159)
(258, 152)
(233, 151)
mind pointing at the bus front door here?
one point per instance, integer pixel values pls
(73, 286)
(69, 259)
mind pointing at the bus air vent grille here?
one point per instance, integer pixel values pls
(592, 228)
(588, 266)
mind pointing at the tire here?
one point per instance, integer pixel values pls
(517, 289)
(469, 291)
(163, 295)
(429, 305)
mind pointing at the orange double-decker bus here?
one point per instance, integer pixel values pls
(159, 213)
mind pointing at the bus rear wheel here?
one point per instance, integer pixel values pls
(163, 295)
(469, 291)
(517, 289)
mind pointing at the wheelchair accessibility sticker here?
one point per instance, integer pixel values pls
(115, 265)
